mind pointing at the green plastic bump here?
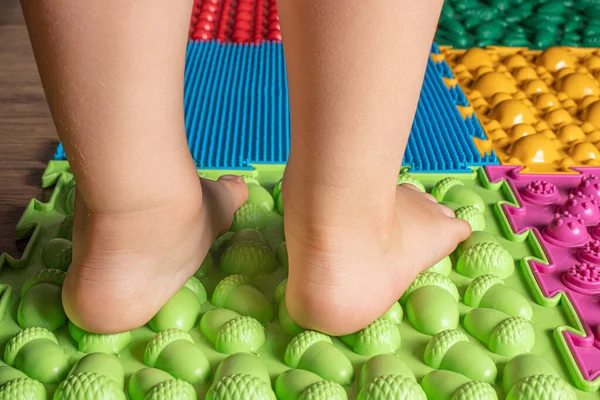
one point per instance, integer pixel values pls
(524, 366)
(286, 321)
(380, 337)
(280, 204)
(41, 300)
(65, 230)
(481, 254)
(489, 291)
(383, 365)
(182, 310)
(406, 178)
(449, 385)
(281, 255)
(221, 242)
(70, 198)
(277, 189)
(504, 335)
(154, 384)
(174, 351)
(173, 389)
(392, 387)
(96, 343)
(473, 216)
(431, 303)
(241, 376)
(315, 352)
(442, 187)
(259, 196)
(231, 332)
(15, 385)
(452, 190)
(542, 387)
(206, 267)
(443, 267)
(101, 364)
(53, 276)
(279, 293)
(57, 254)
(249, 259)
(35, 351)
(235, 293)
(451, 350)
(248, 235)
(298, 384)
(88, 385)
(394, 314)
(250, 216)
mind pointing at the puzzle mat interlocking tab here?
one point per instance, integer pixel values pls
(476, 334)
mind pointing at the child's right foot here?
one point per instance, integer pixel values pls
(345, 273)
(127, 265)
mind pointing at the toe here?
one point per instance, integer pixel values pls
(458, 229)
(223, 198)
(447, 211)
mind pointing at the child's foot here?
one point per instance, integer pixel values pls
(344, 274)
(127, 265)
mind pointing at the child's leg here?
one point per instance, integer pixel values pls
(355, 240)
(113, 75)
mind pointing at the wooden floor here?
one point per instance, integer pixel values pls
(27, 135)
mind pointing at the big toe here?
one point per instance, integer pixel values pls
(223, 198)
(456, 229)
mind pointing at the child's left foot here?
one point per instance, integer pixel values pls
(347, 271)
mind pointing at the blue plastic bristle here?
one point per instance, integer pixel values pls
(237, 112)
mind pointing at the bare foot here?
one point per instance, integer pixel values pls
(127, 265)
(345, 274)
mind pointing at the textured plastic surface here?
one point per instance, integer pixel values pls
(237, 112)
(228, 21)
(449, 336)
(523, 23)
(539, 109)
(562, 211)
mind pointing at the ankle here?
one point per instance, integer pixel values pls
(310, 204)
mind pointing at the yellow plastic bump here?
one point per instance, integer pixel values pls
(546, 101)
(556, 58)
(535, 86)
(570, 106)
(520, 130)
(558, 118)
(475, 58)
(526, 74)
(570, 133)
(512, 112)
(499, 98)
(587, 101)
(515, 61)
(482, 71)
(494, 82)
(594, 136)
(592, 114)
(584, 152)
(564, 72)
(535, 149)
(577, 86)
